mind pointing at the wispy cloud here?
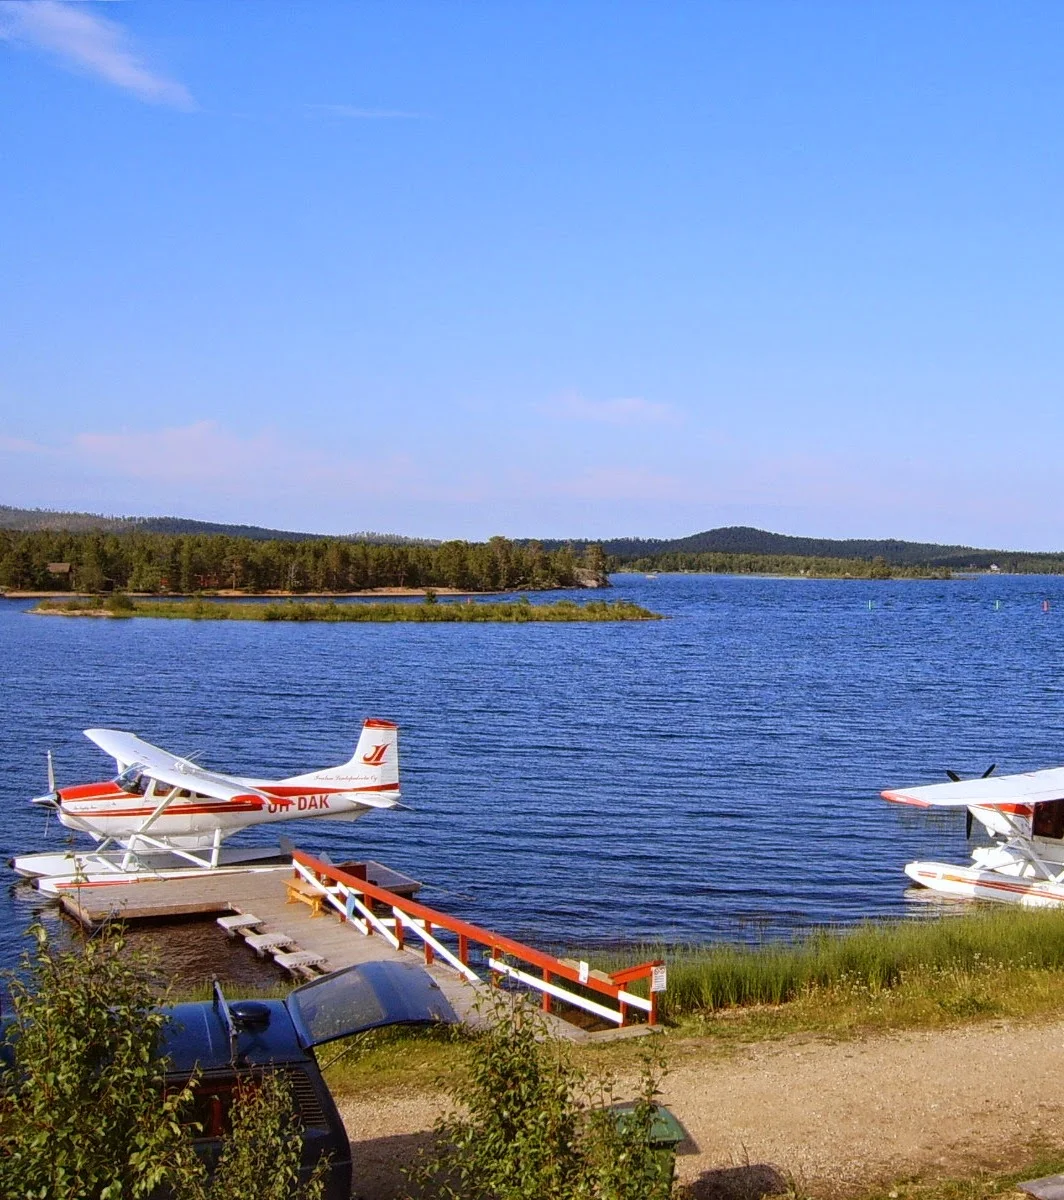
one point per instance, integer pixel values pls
(627, 410)
(628, 483)
(205, 452)
(10, 445)
(352, 113)
(82, 39)
(210, 460)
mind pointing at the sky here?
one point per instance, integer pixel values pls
(456, 269)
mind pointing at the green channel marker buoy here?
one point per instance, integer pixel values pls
(871, 605)
(997, 605)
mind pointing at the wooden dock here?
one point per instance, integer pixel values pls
(267, 893)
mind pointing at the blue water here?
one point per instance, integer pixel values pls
(715, 775)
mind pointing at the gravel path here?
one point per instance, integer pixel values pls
(831, 1116)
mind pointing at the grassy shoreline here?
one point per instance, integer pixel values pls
(987, 964)
(500, 611)
(990, 962)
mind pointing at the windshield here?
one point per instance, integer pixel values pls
(132, 780)
(363, 997)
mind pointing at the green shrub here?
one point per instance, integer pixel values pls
(84, 1114)
(527, 1122)
(119, 604)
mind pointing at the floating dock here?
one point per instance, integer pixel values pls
(312, 917)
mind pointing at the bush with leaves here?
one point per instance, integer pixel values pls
(261, 1156)
(84, 1113)
(528, 1122)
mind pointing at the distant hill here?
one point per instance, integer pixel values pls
(743, 539)
(29, 520)
(731, 539)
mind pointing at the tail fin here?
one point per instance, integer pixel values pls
(374, 765)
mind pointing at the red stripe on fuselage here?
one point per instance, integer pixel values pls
(176, 809)
(1035, 888)
(88, 792)
(303, 790)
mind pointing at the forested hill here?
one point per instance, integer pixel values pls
(742, 539)
(30, 520)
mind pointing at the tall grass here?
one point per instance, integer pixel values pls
(871, 956)
(507, 611)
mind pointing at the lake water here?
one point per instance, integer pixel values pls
(712, 776)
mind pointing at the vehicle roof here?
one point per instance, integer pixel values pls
(345, 1002)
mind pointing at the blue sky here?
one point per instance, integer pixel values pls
(457, 269)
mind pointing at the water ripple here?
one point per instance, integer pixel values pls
(711, 776)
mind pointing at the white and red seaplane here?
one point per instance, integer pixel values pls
(166, 817)
(1024, 816)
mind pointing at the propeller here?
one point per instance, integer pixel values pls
(51, 800)
(968, 812)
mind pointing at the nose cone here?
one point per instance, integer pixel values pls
(51, 800)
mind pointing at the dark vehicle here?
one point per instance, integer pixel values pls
(232, 1042)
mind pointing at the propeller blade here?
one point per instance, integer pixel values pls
(51, 773)
(989, 771)
(954, 776)
(967, 824)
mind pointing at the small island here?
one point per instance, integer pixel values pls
(119, 605)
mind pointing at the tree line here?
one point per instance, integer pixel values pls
(95, 561)
(784, 564)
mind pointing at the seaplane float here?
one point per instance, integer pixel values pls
(166, 817)
(1024, 817)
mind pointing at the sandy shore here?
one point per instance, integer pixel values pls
(832, 1118)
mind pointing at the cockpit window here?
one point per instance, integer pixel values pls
(133, 780)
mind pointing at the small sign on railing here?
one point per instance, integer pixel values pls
(584, 973)
(657, 978)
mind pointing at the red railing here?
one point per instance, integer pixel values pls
(354, 898)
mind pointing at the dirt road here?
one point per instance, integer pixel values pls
(832, 1117)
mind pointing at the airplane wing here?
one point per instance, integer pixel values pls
(127, 749)
(996, 791)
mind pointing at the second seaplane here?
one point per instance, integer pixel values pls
(165, 817)
(1024, 817)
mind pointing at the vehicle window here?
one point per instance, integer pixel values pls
(335, 1006)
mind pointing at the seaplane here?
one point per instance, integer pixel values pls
(1024, 818)
(166, 817)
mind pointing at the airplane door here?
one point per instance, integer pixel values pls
(1048, 821)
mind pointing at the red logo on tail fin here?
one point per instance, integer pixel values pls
(375, 756)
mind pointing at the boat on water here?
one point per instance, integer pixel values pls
(1023, 816)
